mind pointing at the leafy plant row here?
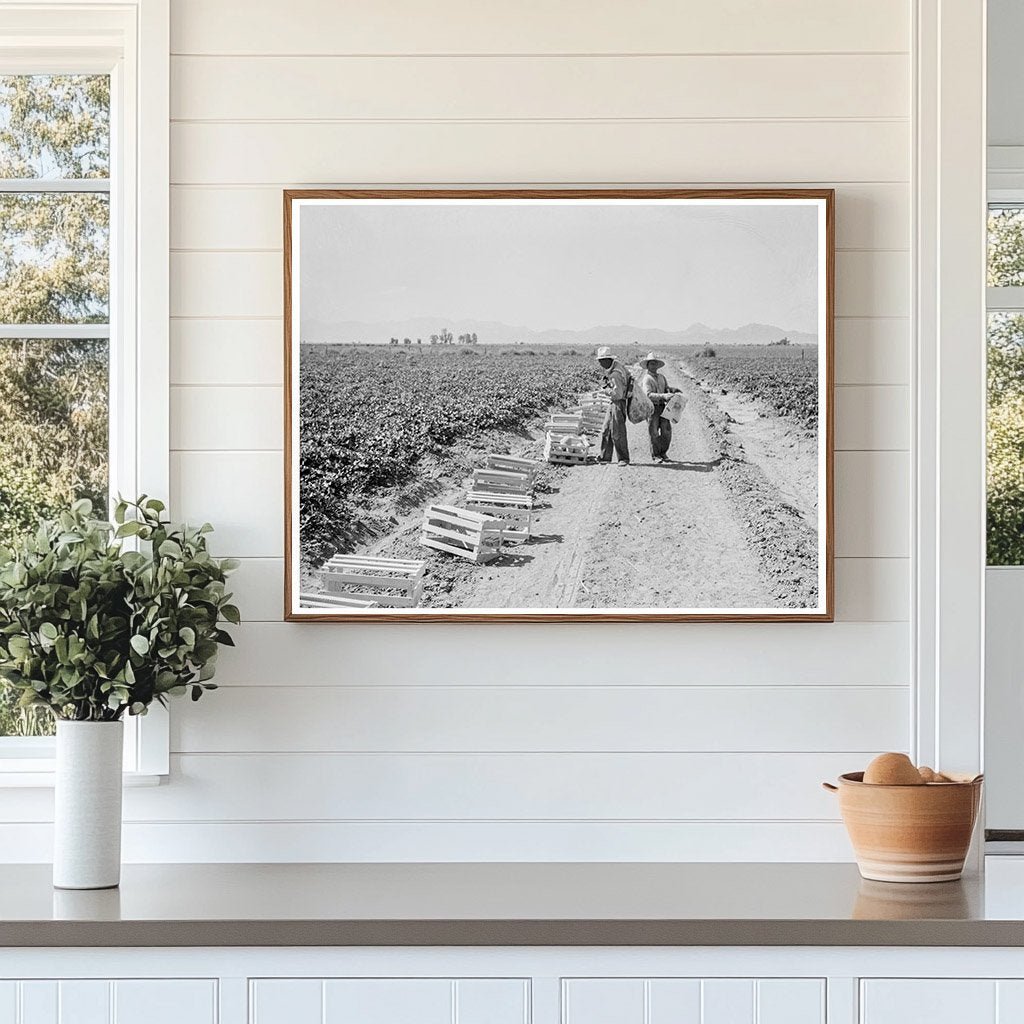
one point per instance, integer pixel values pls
(369, 415)
(783, 385)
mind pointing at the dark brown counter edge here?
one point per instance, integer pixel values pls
(510, 933)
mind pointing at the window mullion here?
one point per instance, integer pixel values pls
(1005, 300)
(54, 185)
(61, 332)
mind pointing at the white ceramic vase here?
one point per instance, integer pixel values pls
(87, 811)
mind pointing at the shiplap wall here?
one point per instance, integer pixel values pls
(427, 742)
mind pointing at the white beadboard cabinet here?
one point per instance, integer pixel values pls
(693, 1001)
(953, 1001)
(513, 985)
(106, 1001)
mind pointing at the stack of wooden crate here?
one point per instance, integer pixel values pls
(387, 582)
(594, 411)
(503, 488)
(463, 532)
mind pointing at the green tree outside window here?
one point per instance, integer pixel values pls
(54, 270)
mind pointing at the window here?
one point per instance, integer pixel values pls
(54, 308)
(84, 124)
(1005, 499)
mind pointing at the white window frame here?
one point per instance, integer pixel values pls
(949, 374)
(1003, 709)
(130, 41)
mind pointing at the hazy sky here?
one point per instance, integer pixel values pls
(561, 266)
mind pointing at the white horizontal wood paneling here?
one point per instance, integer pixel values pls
(873, 283)
(470, 26)
(503, 786)
(872, 498)
(246, 284)
(873, 216)
(875, 418)
(241, 493)
(545, 151)
(549, 718)
(428, 742)
(867, 589)
(463, 842)
(700, 1001)
(798, 654)
(538, 88)
(213, 352)
(872, 589)
(212, 418)
(237, 418)
(872, 350)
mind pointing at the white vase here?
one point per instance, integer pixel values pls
(87, 807)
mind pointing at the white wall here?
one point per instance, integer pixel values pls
(510, 741)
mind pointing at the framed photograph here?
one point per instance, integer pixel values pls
(564, 405)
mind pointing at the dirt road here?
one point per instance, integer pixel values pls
(705, 531)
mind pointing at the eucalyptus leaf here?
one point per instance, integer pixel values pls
(93, 631)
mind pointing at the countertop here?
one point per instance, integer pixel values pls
(647, 904)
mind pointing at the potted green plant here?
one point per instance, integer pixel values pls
(99, 620)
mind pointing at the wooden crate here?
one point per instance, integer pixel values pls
(482, 494)
(462, 532)
(504, 481)
(564, 423)
(518, 519)
(514, 463)
(594, 419)
(554, 453)
(369, 578)
(330, 602)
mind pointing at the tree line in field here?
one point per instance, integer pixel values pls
(444, 338)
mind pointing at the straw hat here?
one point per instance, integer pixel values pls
(604, 353)
(652, 358)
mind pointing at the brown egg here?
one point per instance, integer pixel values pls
(928, 774)
(892, 770)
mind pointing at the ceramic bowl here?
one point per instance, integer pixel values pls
(909, 833)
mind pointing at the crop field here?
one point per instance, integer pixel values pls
(369, 414)
(783, 379)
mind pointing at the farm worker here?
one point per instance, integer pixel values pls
(617, 385)
(656, 387)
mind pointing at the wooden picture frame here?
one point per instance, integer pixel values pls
(409, 593)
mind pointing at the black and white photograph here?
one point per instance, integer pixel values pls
(534, 405)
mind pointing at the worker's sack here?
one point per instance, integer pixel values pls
(674, 407)
(640, 407)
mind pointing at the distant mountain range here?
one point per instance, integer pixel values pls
(495, 333)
